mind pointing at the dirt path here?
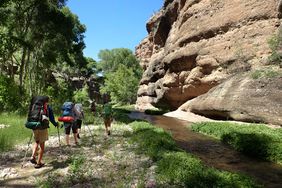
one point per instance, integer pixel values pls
(108, 161)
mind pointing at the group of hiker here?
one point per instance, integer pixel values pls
(41, 113)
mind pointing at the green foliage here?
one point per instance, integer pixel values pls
(112, 59)
(253, 140)
(38, 37)
(15, 133)
(176, 168)
(81, 96)
(184, 170)
(122, 74)
(10, 98)
(265, 73)
(122, 85)
(153, 141)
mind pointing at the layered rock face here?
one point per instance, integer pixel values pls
(241, 98)
(194, 45)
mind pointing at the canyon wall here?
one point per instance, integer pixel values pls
(195, 45)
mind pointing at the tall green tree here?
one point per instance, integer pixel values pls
(122, 85)
(111, 59)
(39, 35)
(122, 74)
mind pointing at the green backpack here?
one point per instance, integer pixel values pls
(107, 110)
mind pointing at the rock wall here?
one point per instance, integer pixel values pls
(241, 98)
(194, 45)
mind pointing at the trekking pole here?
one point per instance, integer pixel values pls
(90, 132)
(27, 149)
(59, 135)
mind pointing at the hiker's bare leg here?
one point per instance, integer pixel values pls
(42, 147)
(35, 147)
(75, 138)
(67, 139)
(107, 126)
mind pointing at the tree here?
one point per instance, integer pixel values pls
(38, 35)
(111, 59)
(122, 85)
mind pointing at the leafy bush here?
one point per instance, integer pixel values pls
(254, 140)
(122, 85)
(81, 96)
(10, 99)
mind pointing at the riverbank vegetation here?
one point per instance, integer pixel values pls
(176, 168)
(258, 141)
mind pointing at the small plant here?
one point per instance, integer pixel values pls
(275, 44)
(265, 73)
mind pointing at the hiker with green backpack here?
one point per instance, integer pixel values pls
(107, 114)
(39, 115)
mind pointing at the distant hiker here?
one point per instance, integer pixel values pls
(79, 115)
(68, 117)
(107, 115)
(38, 120)
(93, 107)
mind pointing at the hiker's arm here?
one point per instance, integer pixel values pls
(51, 117)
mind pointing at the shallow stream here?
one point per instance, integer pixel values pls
(213, 153)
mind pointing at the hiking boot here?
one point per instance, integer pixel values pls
(109, 133)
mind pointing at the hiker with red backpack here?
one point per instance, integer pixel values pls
(68, 119)
(40, 113)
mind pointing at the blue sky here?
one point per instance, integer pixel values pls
(113, 23)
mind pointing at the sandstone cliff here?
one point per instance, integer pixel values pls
(195, 45)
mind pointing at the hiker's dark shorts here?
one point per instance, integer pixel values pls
(78, 123)
(69, 127)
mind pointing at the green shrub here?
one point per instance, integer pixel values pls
(10, 97)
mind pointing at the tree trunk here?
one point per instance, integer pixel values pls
(22, 65)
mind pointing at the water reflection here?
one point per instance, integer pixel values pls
(213, 153)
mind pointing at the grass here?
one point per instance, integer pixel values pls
(16, 133)
(253, 140)
(265, 73)
(176, 168)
